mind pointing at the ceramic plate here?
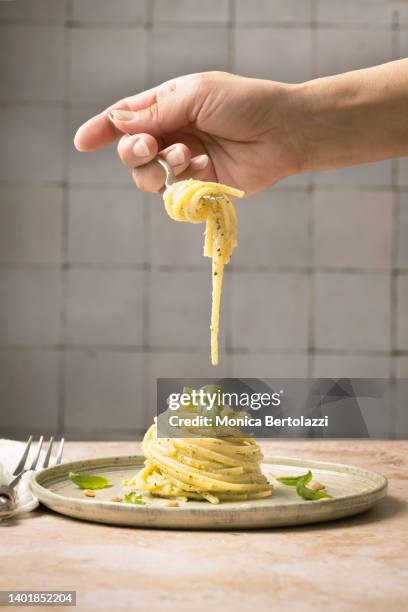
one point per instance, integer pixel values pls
(354, 490)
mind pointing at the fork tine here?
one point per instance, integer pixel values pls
(37, 454)
(48, 455)
(21, 463)
(59, 454)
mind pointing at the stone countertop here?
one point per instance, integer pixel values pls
(358, 563)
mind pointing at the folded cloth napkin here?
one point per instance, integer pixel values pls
(10, 454)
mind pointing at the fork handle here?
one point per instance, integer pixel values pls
(7, 502)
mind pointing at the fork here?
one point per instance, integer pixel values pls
(7, 492)
(171, 178)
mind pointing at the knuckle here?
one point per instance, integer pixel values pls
(198, 81)
(152, 112)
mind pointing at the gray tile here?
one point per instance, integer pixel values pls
(356, 11)
(173, 243)
(403, 172)
(351, 366)
(29, 391)
(402, 247)
(352, 311)
(339, 50)
(402, 367)
(107, 64)
(402, 10)
(32, 63)
(179, 11)
(363, 175)
(32, 143)
(273, 230)
(175, 51)
(172, 364)
(30, 224)
(269, 311)
(402, 313)
(353, 229)
(274, 11)
(106, 226)
(106, 11)
(180, 307)
(30, 302)
(99, 167)
(270, 53)
(105, 307)
(295, 181)
(401, 412)
(264, 365)
(104, 391)
(34, 10)
(181, 365)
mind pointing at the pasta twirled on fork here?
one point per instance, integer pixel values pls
(195, 201)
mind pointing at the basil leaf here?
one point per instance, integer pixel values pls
(89, 481)
(133, 497)
(302, 490)
(292, 481)
(310, 494)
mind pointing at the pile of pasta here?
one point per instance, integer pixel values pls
(197, 202)
(211, 469)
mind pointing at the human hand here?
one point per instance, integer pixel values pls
(210, 126)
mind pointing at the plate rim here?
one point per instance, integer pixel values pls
(376, 492)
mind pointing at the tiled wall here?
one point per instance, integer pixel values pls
(100, 292)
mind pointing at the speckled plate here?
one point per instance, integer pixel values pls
(354, 490)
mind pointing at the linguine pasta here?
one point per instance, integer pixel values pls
(202, 468)
(191, 201)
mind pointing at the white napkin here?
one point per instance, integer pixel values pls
(10, 454)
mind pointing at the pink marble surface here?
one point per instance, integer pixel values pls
(359, 563)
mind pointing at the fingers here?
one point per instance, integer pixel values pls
(151, 176)
(100, 130)
(137, 150)
(163, 109)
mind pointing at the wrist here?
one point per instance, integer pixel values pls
(308, 126)
(284, 121)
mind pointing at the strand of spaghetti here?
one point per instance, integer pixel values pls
(188, 201)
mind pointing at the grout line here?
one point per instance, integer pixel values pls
(32, 102)
(228, 280)
(147, 251)
(128, 186)
(64, 231)
(394, 257)
(150, 14)
(231, 34)
(199, 268)
(78, 434)
(199, 350)
(71, 23)
(311, 326)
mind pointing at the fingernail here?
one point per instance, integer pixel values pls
(176, 156)
(200, 162)
(140, 148)
(121, 115)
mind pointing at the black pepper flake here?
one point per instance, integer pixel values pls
(215, 273)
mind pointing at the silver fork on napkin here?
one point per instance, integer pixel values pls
(8, 500)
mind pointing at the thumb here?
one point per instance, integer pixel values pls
(173, 105)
